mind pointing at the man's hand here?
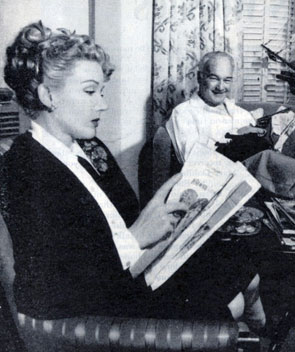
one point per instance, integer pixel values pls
(157, 221)
(252, 129)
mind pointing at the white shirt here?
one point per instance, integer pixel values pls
(126, 245)
(194, 121)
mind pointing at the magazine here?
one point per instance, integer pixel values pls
(214, 188)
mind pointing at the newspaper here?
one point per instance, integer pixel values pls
(214, 188)
(282, 222)
(283, 124)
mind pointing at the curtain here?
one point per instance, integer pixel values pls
(183, 31)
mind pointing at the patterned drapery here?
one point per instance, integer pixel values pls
(185, 30)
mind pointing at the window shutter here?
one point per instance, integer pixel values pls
(9, 120)
(265, 21)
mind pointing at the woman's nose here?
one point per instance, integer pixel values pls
(101, 104)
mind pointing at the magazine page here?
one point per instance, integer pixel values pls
(204, 173)
(235, 193)
(233, 203)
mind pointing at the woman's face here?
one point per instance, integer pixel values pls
(79, 102)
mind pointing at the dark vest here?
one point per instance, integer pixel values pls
(65, 260)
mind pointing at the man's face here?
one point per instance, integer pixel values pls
(216, 80)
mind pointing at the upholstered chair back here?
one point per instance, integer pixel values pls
(6, 263)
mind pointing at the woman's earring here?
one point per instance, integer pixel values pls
(51, 108)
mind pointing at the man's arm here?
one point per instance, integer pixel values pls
(247, 123)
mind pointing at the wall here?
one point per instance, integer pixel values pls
(124, 29)
(18, 13)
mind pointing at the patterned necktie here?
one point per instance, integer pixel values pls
(90, 169)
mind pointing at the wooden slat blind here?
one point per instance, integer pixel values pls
(271, 22)
(9, 120)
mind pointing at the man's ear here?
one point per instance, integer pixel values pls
(45, 95)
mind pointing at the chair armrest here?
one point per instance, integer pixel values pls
(161, 158)
(117, 334)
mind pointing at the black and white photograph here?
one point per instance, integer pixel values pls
(147, 175)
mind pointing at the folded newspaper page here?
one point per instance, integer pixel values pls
(283, 125)
(214, 188)
(280, 120)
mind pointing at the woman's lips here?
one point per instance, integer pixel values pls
(95, 122)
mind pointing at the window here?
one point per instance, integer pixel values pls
(269, 22)
(9, 119)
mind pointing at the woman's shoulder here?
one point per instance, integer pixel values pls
(24, 151)
(14, 168)
(19, 146)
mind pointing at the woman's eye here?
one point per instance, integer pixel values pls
(90, 92)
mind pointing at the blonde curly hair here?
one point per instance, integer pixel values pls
(38, 52)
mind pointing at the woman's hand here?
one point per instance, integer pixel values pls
(157, 221)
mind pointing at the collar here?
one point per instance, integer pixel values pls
(199, 102)
(55, 146)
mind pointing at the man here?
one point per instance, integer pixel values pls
(209, 115)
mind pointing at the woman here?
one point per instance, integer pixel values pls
(66, 221)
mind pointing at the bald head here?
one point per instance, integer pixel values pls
(213, 56)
